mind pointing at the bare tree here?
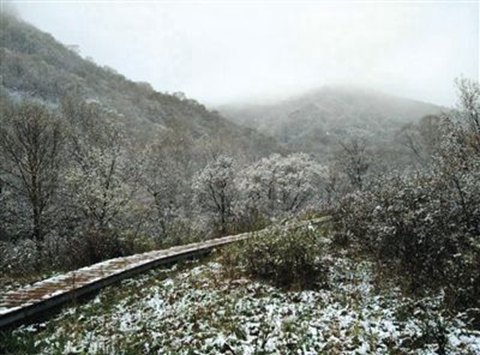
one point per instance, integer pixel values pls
(469, 96)
(31, 142)
(167, 170)
(423, 138)
(99, 173)
(354, 160)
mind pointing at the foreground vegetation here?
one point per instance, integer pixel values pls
(219, 306)
(425, 225)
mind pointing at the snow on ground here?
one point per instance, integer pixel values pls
(199, 311)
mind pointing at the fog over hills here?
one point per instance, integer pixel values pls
(222, 51)
(315, 120)
(35, 65)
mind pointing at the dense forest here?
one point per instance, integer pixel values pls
(95, 166)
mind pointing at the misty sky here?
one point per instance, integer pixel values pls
(224, 51)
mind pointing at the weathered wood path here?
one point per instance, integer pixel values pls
(25, 303)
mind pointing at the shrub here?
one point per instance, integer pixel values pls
(290, 259)
(181, 231)
(425, 227)
(25, 257)
(19, 258)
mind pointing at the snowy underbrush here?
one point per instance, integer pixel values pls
(25, 258)
(201, 310)
(291, 259)
(424, 228)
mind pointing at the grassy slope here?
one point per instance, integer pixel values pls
(199, 308)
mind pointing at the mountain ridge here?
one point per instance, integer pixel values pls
(325, 115)
(33, 64)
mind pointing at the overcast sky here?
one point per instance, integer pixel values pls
(226, 51)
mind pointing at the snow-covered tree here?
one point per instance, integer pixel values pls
(215, 191)
(100, 178)
(469, 103)
(281, 185)
(167, 170)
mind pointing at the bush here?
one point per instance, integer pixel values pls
(95, 246)
(19, 258)
(424, 227)
(427, 226)
(290, 259)
(25, 257)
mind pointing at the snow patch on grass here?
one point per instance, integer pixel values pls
(199, 309)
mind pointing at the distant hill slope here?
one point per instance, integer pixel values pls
(33, 64)
(315, 121)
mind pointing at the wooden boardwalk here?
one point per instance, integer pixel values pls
(25, 303)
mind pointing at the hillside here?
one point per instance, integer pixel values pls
(315, 121)
(34, 65)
